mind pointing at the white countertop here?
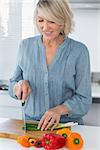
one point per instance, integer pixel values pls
(90, 134)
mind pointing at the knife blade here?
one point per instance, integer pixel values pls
(23, 116)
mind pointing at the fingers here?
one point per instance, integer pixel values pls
(18, 91)
(57, 121)
(46, 123)
(41, 121)
(51, 123)
(22, 89)
(24, 93)
(49, 120)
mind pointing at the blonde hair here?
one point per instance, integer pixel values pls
(57, 11)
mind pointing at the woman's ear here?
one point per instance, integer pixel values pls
(62, 29)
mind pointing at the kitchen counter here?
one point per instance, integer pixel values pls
(91, 135)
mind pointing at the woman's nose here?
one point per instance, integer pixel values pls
(45, 26)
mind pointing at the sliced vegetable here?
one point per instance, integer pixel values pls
(74, 141)
(64, 132)
(51, 141)
(34, 126)
(31, 127)
(23, 140)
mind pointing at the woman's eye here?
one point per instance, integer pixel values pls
(40, 20)
(52, 22)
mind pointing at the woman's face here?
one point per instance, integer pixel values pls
(50, 30)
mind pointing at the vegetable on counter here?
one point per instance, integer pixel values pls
(31, 127)
(34, 126)
(62, 137)
(52, 141)
(74, 141)
(32, 141)
(23, 140)
(64, 132)
(26, 141)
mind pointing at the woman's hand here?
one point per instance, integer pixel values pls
(22, 89)
(52, 117)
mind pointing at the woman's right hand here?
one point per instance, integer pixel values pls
(22, 89)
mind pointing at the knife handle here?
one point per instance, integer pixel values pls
(23, 103)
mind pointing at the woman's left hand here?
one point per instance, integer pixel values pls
(51, 117)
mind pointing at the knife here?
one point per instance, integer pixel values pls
(23, 116)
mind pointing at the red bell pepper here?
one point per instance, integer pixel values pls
(52, 141)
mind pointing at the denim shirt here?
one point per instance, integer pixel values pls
(66, 80)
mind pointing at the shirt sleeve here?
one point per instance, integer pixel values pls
(78, 105)
(18, 74)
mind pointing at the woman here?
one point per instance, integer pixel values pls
(53, 70)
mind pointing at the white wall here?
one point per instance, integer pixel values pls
(87, 30)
